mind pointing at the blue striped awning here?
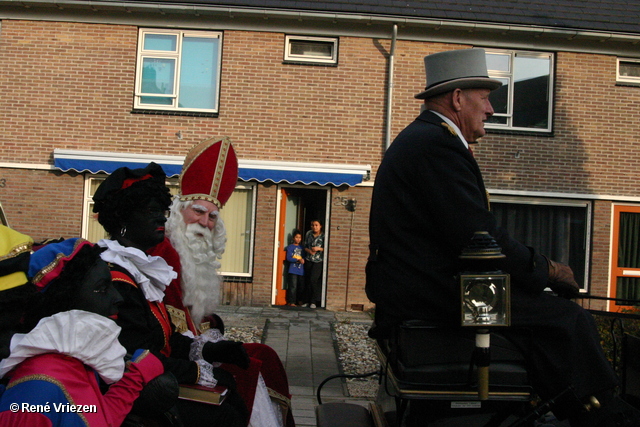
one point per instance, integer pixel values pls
(249, 170)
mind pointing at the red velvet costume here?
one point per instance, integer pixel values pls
(264, 360)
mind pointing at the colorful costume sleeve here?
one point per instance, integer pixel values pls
(121, 395)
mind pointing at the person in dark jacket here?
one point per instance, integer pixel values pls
(428, 200)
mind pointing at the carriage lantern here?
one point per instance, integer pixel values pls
(485, 298)
(484, 287)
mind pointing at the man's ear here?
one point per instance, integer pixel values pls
(456, 99)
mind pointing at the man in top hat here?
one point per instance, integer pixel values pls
(428, 200)
(196, 241)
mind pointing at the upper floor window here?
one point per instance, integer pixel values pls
(628, 71)
(320, 50)
(525, 101)
(178, 70)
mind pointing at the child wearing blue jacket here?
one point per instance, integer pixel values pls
(295, 273)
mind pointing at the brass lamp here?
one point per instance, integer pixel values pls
(485, 298)
(484, 288)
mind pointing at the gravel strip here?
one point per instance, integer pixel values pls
(249, 334)
(357, 355)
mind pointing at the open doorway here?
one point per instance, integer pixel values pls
(299, 205)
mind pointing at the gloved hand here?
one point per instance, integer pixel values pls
(226, 352)
(561, 280)
(224, 378)
(215, 322)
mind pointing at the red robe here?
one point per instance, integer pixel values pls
(263, 359)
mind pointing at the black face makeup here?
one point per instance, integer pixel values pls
(97, 294)
(145, 226)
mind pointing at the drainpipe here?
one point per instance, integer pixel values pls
(392, 54)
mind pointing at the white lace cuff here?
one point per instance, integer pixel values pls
(206, 374)
(210, 335)
(195, 351)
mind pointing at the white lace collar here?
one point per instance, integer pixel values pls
(151, 273)
(88, 337)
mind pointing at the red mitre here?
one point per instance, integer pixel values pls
(209, 172)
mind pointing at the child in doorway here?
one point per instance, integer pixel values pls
(295, 273)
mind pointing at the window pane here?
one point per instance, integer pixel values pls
(531, 92)
(309, 48)
(627, 288)
(237, 217)
(498, 62)
(500, 97)
(158, 75)
(629, 69)
(161, 42)
(155, 100)
(199, 73)
(558, 232)
(628, 249)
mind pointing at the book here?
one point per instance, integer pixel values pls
(199, 393)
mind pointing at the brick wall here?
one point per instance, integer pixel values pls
(42, 204)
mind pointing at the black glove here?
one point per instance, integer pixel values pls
(215, 322)
(224, 378)
(561, 280)
(158, 396)
(226, 352)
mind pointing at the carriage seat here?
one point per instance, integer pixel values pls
(429, 362)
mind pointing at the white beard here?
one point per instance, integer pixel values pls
(200, 250)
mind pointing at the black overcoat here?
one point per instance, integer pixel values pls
(428, 200)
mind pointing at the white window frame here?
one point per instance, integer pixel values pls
(310, 58)
(576, 203)
(627, 79)
(508, 75)
(177, 56)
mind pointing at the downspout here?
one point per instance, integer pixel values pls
(392, 54)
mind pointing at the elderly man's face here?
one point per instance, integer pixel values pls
(475, 110)
(201, 212)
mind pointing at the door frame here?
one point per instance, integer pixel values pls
(279, 231)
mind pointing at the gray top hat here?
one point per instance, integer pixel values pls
(453, 69)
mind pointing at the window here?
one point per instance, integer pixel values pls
(178, 70)
(320, 50)
(524, 102)
(238, 216)
(555, 228)
(628, 71)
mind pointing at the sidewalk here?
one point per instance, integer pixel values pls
(303, 339)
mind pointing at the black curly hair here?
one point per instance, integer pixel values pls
(61, 294)
(115, 202)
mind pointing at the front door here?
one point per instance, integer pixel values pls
(297, 208)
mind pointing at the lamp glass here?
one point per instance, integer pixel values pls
(485, 299)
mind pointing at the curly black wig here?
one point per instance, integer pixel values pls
(124, 191)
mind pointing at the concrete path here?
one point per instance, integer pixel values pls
(303, 339)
